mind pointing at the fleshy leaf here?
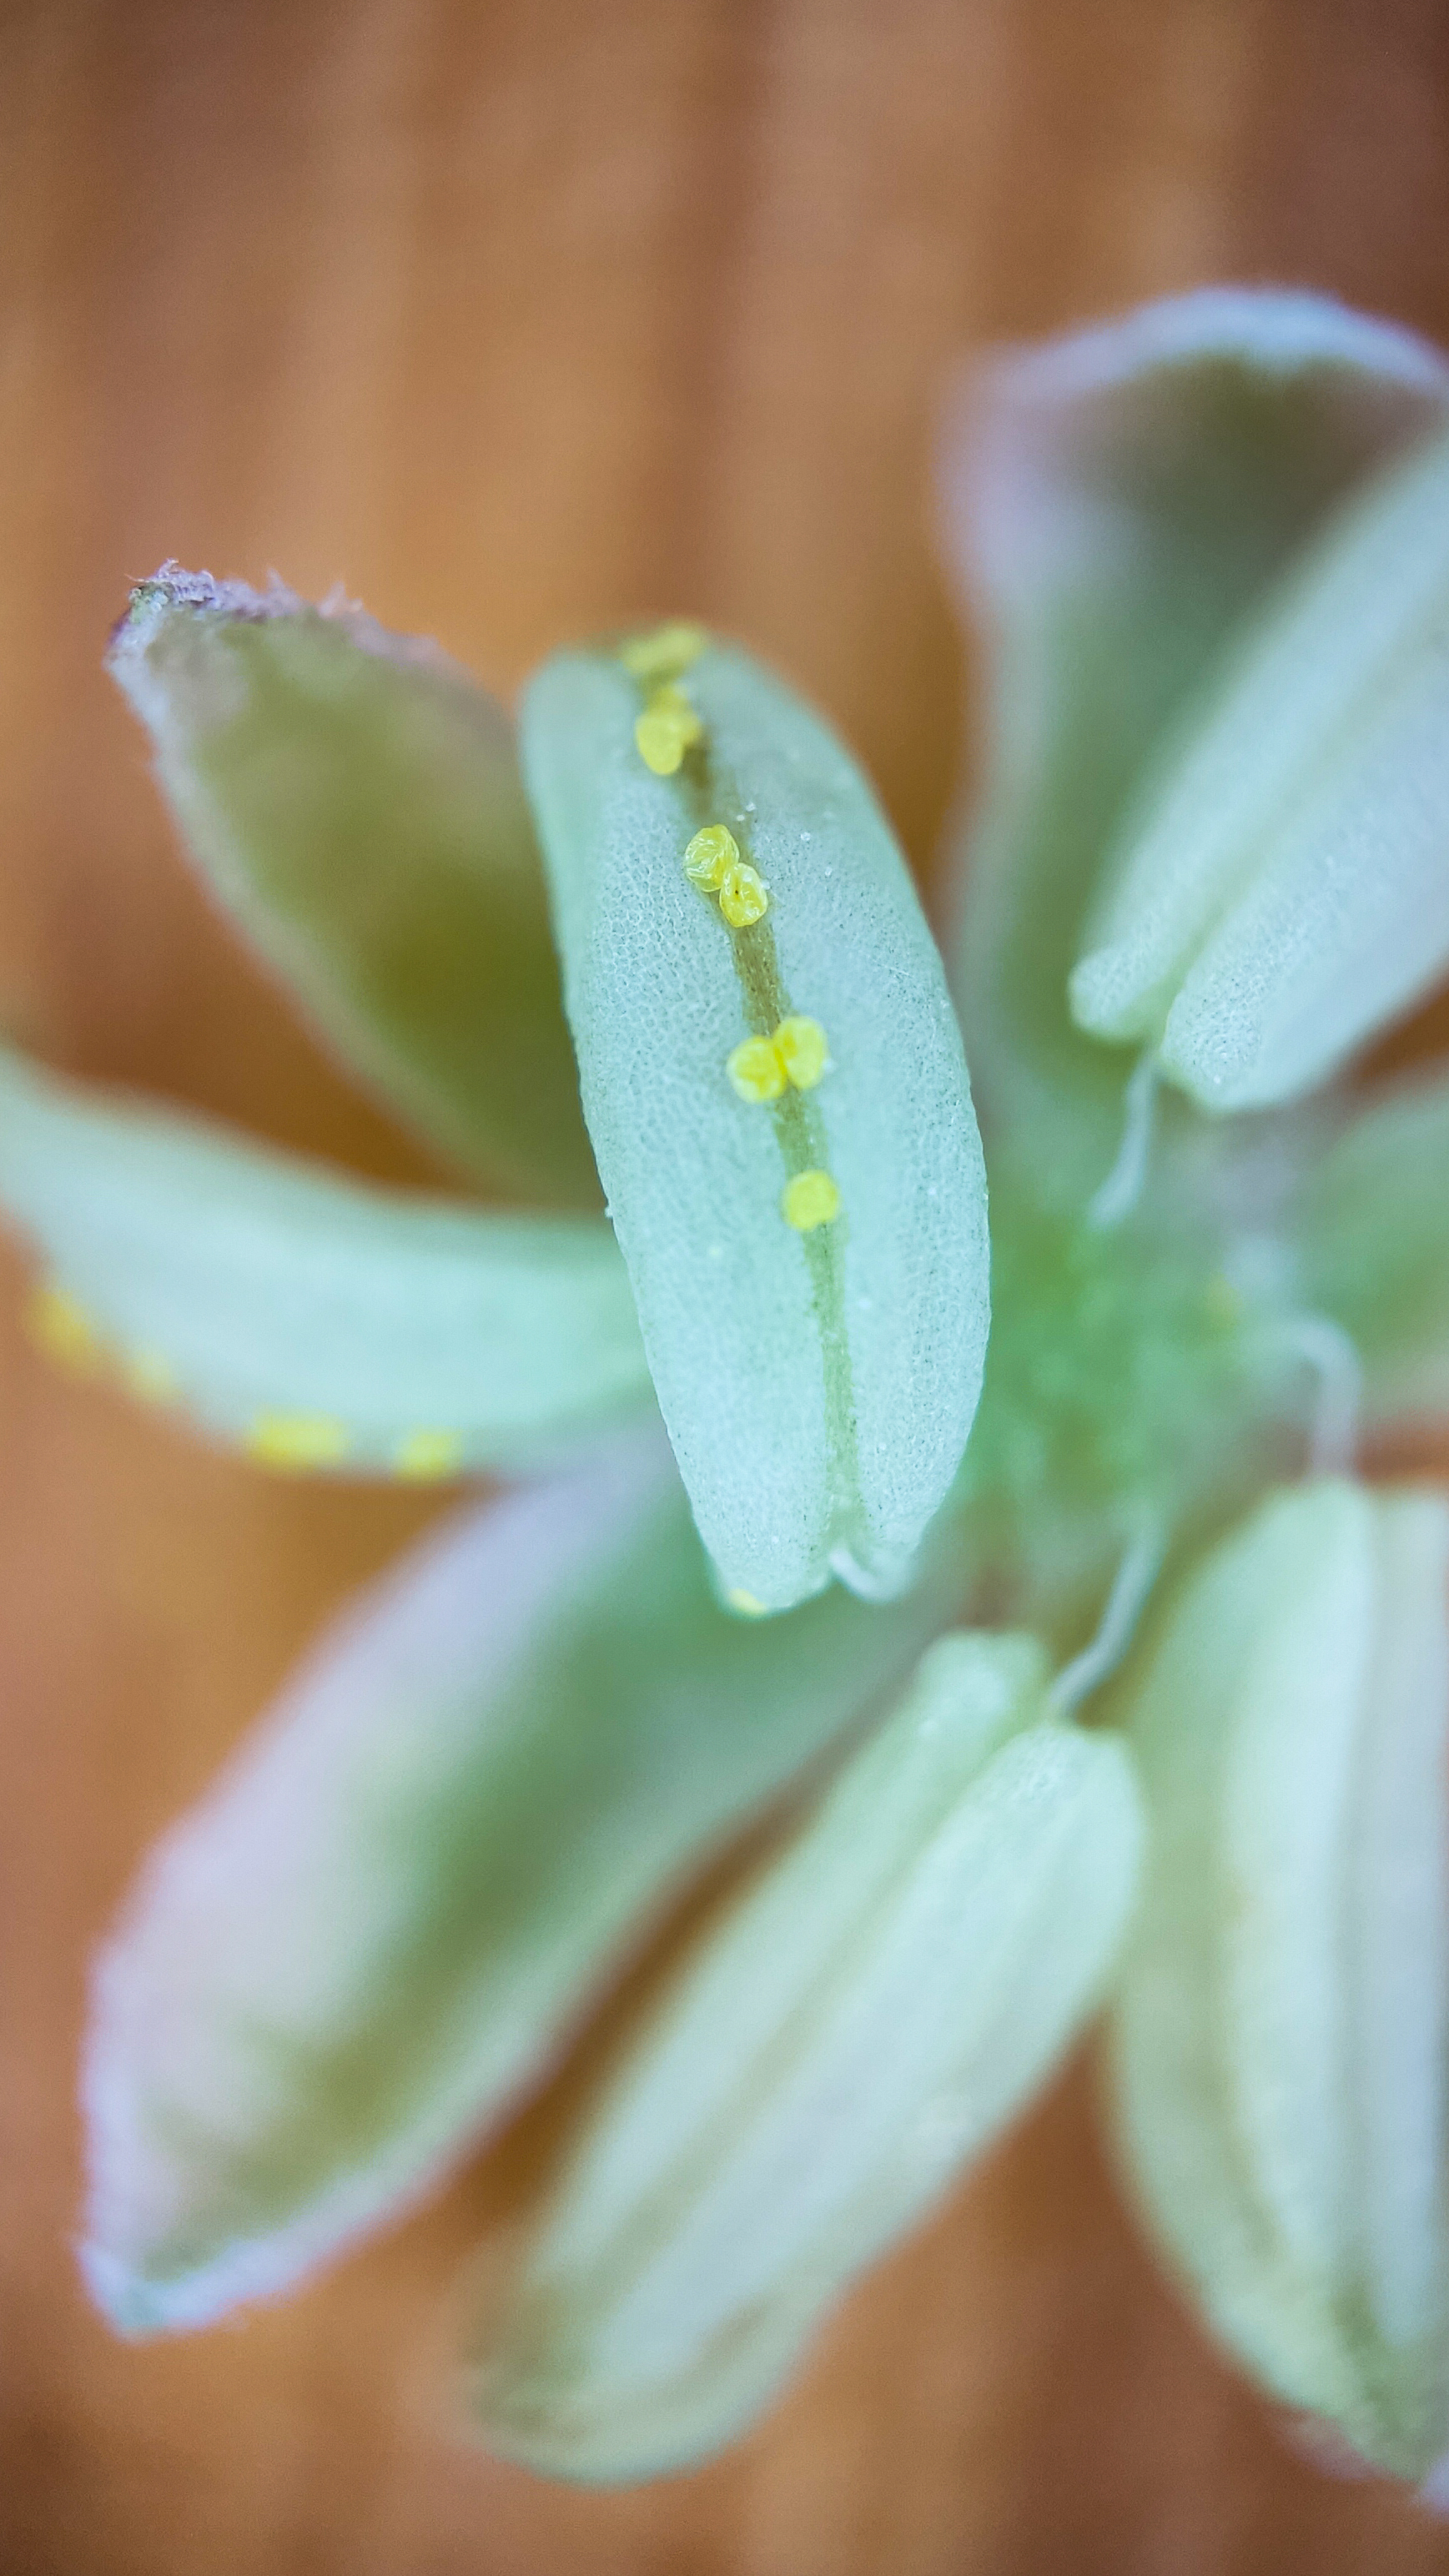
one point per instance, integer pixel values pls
(1117, 504)
(318, 1321)
(865, 2018)
(1372, 1227)
(1282, 2013)
(354, 799)
(1283, 891)
(775, 1087)
(381, 1923)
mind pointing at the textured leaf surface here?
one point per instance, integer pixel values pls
(354, 799)
(316, 1320)
(1281, 2020)
(865, 2017)
(1284, 891)
(818, 1385)
(381, 1923)
(1118, 504)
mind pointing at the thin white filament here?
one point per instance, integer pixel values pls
(1131, 1585)
(1332, 1356)
(1118, 1195)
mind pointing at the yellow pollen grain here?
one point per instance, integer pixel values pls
(746, 1603)
(744, 897)
(666, 652)
(755, 1070)
(809, 1200)
(669, 701)
(1222, 1302)
(149, 1376)
(710, 856)
(802, 1048)
(59, 1325)
(668, 728)
(293, 1443)
(425, 1456)
(659, 742)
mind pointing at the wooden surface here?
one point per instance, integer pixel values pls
(517, 319)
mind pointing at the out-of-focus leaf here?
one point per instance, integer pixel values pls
(1118, 504)
(1283, 891)
(862, 2021)
(354, 800)
(318, 1321)
(1372, 1244)
(381, 1923)
(1282, 2012)
(810, 1264)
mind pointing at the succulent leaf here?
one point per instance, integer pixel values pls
(313, 1320)
(775, 1086)
(1281, 2016)
(1117, 505)
(863, 2019)
(382, 1922)
(1282, 892)
(353, 797)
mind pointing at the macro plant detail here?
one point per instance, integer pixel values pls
(1007, 1556)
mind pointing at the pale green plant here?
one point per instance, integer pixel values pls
(1207, 551)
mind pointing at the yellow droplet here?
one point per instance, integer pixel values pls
(149, 1376)
(802, 1048)
(710, 856)
(296, 1442)
(59, 1325)
(423, 1456)
(746, 1604)
(664, 653)
(668, 728)
(660, 743)
(811, 1199)
(744, 897)
(1222, 1302)
(755, 1069)
(667, 700)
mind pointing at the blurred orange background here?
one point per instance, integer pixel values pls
(516, 320)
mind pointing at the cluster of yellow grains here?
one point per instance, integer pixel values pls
(796, 1055)
(664, 652)
(713, 863)
(296, 1444)
(69, 1336)
(670, 724)
(60, 1327)
(301, 1444)
(291, 1443)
